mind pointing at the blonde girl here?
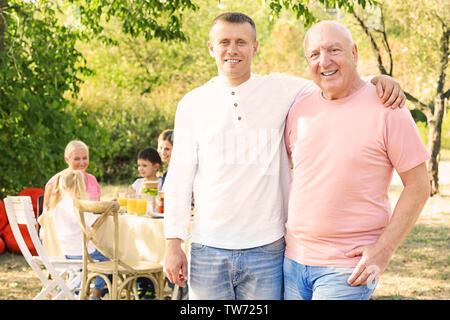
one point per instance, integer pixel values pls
(70, 185)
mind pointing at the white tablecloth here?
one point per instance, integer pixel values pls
(140, 237)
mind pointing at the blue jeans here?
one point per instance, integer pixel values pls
(302, 282)
(99, 283)
(242, 274)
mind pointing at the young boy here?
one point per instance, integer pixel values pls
(148, 163)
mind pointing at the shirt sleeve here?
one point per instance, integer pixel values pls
(92, 187)
(287, 135)
(178, 185)
(403, 143)
(295, 86)
(135, 185)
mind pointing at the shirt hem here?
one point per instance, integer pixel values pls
(340, 263)
(238, 245)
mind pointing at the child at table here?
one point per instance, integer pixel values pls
(148, 162)
(70, 185)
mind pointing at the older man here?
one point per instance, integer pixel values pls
(344, 147)
(229, 150)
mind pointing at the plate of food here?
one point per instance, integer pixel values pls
(156, 214)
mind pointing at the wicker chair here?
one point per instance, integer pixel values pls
(124, 275)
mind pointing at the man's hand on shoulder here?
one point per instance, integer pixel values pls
(389, 91)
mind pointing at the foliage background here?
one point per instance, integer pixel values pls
(127, 88)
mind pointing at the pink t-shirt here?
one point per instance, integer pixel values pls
(344, 152)
(92, 186)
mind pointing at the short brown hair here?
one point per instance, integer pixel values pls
(234, 17)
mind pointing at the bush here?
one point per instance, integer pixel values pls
(130, 127)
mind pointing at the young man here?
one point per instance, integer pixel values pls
(229, 151)
(344, 146)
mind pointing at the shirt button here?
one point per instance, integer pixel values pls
(232, 93)
(235, 104)
(239, 118)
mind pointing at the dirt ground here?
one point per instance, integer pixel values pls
(418, 269)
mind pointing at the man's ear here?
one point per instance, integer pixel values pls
(355, 53)
(255, 47)
(211, 49)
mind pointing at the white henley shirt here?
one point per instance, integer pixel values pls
(229, 152)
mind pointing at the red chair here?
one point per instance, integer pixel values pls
(2, 245)
(11, 242)
(3, 224)
(8, 236)
(3, 216)
(34, 193)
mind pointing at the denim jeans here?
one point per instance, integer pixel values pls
(242, 274)
(302, 282)
(99, 283)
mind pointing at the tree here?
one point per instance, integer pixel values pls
(40, 68)
(422, 29)
(38, 63)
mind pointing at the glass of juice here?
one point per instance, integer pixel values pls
(141, 205)
(122, 199)
(131, 204)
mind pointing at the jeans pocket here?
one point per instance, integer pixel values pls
(276, 247)
(197, 246)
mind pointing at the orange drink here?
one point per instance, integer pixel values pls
(122, 202)
(141, 206)
(131, 205)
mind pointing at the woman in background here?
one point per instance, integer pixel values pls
(165, 145)
(76, 156)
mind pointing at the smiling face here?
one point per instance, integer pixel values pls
(146, 168)
(165, 150)
(78, 159)
(233, 45)
(332, 58)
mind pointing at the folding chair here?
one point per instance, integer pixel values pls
(124, 275)
(20, 211)
(34, 193)
(40, 205)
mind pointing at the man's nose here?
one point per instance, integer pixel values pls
(232, 48)
(324, 59)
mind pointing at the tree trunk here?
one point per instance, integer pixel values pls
(3, 6)
(434, 144)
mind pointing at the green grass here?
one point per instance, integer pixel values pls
(419, 267)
